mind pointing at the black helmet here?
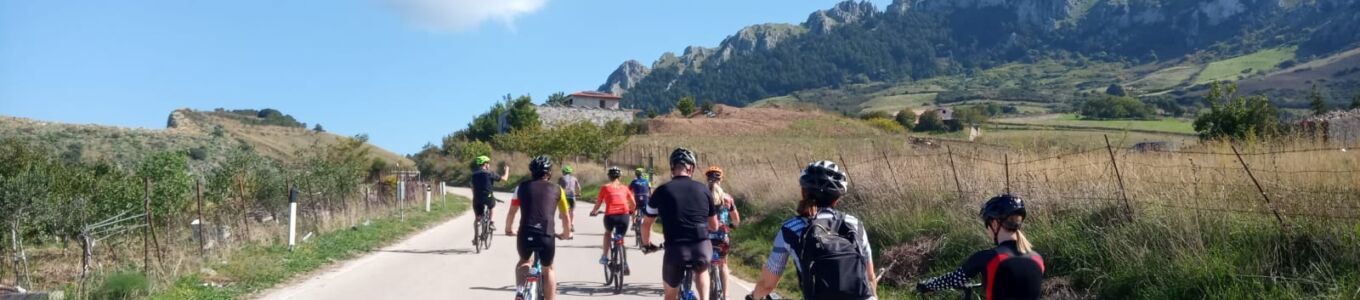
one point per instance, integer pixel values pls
(825, 180)
(1002, 207)
(541, 165)
(682, 155)
(615, 172)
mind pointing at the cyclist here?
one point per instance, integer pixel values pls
(830, 248)
(618, 202)
(642, 188)
(483, 199)
(572, 186)
(687, 214)
(728, 219)
(539, 198)
(1012, 270)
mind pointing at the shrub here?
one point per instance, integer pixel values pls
(930, 121)
(1112, 107)
(1236, 118)
(875, 115)
(199, 153)
(685, 106)
(906, 118)
(886, 125)
(124, 285)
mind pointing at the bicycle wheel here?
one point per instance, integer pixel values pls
(487, 235)
(716, 284)
(477, 237)
(616, 263)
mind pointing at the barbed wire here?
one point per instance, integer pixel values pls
(1340, 149)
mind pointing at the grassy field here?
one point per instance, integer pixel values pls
(1240, 67)
(259, 267)
(1165, 79)
(1169, 125)
(896, 103)
(1199, 227)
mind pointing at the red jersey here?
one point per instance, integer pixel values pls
(616, 198)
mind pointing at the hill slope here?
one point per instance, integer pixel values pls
(189, 131)
(912, 40)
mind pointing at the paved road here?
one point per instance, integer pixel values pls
(439, 264)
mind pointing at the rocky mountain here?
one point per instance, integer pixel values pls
(853, 42)
(627, 76)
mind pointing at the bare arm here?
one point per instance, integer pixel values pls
(736, 215)
(768, 281)
(505, 173)
(873, 279)
(713, 223)
(647, 230)
(510, 220)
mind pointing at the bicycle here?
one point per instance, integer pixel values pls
(532, 289)
(637, 227)
(483, 233)
(687, 281)
(716, 283)
(617, 267)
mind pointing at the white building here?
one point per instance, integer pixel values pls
(593, 99)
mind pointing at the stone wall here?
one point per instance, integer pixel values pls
(555, 115)
(1340, 127)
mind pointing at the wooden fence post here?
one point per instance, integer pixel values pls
(1278, 218)
(146, 231)
(955, 170)
(892, 171)
(1122, 193)
(202, 224)
(1007, 165)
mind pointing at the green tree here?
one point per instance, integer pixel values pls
(1236, 118)
(1113, 107)
(685, 106)
(930, 121)
(1116, 90)
(878, 114)
(906, 118)
(523, 114)
(318, 128)
(557, 99)
(970, 115)
(168, 173)
(707, 107)
(1316, 102)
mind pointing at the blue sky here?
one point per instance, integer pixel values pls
(406, 72)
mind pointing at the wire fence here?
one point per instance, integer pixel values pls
(1282, 183)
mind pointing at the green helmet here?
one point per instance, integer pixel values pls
(640, 172)
(481, 160)
(566, 170)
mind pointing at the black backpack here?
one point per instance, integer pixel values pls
(830, 259)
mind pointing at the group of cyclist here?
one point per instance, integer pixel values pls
(830, 249)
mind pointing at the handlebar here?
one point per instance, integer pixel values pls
(649, 249)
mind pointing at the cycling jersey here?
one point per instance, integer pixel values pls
(615, 199)
(783, 250)
(570, 184)
(642, 189)
(684, 206)
(724, 218)
(1006, 273)
(482, 183)
(539, 201)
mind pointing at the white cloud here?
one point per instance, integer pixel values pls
(462, 15)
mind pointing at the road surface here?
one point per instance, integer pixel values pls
(439, 263)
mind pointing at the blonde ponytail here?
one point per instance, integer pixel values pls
(1021, 243)
(717, 193)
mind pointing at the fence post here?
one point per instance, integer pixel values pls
(954, 170)
(146, 231)
(202, 225)
(1199, 209)
(1284, 226)
(893, 171)
(1122, 193)
(292, 217)
(846, 164)
(427, 198)
(401, 196)
(1007, 165)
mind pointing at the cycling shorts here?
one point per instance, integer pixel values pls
(695, 254)
(617, 224)
(479, 209)
(545, 246)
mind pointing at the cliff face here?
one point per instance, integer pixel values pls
(625, 77)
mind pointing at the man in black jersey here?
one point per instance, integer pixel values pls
(688, 215)
(483, 201)
(539, 198)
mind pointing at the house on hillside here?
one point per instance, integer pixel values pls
(593, 99)
(592, 106)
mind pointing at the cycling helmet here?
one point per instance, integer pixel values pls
(481, 160)
(825, 180)
(1002, 207)
(567, 170)
(683, 156)
(639, 172)
(714, 172)
(540, 166)
(615, 173)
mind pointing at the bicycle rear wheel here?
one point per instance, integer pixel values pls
(716, 284)
(487, 235)
(477, 237)
(616, 264)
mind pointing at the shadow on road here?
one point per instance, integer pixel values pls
(591, 289)
(430, 251)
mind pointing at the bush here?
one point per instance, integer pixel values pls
(124, 285)
(199, 153)
(930, 121)
(886, 125)
(685, 106)
(1236, 118)
(875, 115)
(1113, 107)
(906, 118)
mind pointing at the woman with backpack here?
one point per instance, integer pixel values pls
(830, 249)
(728, 219)
(1012, 270)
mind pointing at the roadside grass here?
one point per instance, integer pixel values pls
(1170, 125)
(1244, 66)
(1060, 138)
(258, 267)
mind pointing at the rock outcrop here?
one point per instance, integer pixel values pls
(625, 77)
(850, 11)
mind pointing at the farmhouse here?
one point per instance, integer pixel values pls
(593, 99)
(592, 106)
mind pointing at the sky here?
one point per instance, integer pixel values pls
(405, 72)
